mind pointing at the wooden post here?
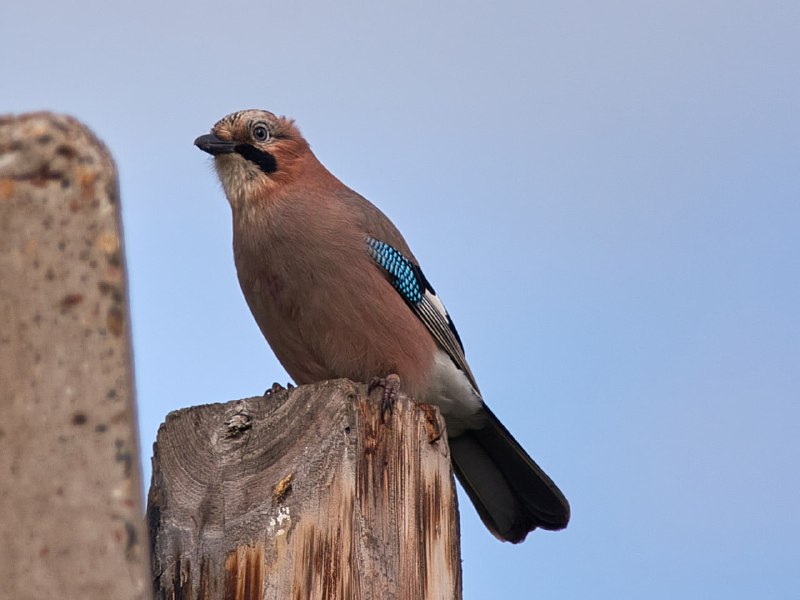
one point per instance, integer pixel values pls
(304, 494)
(70, 499)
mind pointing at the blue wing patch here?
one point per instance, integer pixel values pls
(409, 280)
(403, 273)
(411, 284)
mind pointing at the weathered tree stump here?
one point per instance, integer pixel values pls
(304, 494)
(70, 496)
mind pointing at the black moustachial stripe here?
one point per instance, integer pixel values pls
(264, 160)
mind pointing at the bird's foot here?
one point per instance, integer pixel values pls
(277, 387)
(391, 390)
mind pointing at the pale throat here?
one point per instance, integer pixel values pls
(239, 181)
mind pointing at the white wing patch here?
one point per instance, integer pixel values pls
(458, 401)
(434, 299)
(432, 312)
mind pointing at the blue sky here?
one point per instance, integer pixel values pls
(605, 194)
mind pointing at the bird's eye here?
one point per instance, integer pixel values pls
(260, 133)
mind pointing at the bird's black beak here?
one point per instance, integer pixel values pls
(213, 145)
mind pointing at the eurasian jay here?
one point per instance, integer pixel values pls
(337, 293)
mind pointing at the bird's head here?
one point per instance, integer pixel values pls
(256, 153)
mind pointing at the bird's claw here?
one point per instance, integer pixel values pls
(277, 387)
(391, 390)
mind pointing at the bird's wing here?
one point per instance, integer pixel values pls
(409, 281)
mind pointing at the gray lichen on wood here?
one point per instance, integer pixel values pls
(304, 493)
(68, 449)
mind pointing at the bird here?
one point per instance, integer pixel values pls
(337, 293)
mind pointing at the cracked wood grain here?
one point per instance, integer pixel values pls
(314, 498)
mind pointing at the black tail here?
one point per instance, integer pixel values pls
(511, 493)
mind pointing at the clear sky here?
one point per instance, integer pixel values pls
(605, 194)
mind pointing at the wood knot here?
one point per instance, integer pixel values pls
(239, 422)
